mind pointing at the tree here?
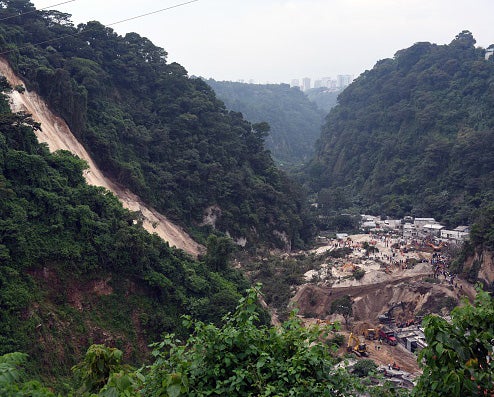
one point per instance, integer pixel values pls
(458, 358)
(102, 371)
(342, 306)
(364, 367)
(219, 250)
(241, 358)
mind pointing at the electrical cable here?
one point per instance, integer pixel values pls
(88, 30)
(30, 12)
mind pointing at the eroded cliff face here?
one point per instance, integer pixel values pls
(483, 260)
(56, 133)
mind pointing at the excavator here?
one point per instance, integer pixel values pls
(436, 248)
(357, 347)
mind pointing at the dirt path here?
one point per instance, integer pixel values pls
(56, 133)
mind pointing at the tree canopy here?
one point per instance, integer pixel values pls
(414, 135)
(76, 267)
(154, 129)
(295, 122)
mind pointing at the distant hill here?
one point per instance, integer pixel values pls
(295, 123)
(414, 135)
(153, 129)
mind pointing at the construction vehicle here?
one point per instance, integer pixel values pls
(370, 333)
(387, 317)
(436, 248)
(356, 346)
(388, 336)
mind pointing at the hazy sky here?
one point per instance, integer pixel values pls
(278, 40)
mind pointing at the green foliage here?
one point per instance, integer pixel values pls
(279, 276)
(458, 358)
(219, 251)
(71, 254)
(102, 370)
(482, 231)
(413, 135)
(364, 368)
(343, 306)
(11, 378)
(294, 121)
(155, 130)
(241, 359)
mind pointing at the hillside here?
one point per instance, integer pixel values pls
(295, 122)
(57, 135)
(154, 130)
(414, 135)
(77, 268)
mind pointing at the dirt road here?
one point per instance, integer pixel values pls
(56, 133)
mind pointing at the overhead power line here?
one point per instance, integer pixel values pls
(152, 12)
(110, 24)
(30, 12)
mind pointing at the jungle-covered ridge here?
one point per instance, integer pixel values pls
(413, 136)
(153, 129)
(295, 122)
(77, 268)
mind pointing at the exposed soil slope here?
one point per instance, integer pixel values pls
(406, 293)
(56, 133)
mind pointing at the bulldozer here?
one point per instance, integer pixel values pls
(356, 346)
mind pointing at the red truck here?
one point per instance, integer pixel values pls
(388, 336)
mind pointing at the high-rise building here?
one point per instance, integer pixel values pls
(306, 83)
(344, 80)
(295, 83)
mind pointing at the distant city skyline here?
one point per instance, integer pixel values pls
(305, 83)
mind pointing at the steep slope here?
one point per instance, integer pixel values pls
(414, 135)
(153, 129)
(295, 122)
(77, 268)
(55, 132)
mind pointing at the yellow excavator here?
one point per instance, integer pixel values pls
(357, 347)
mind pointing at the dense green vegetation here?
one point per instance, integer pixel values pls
(152, 128)
(77, 268)
(458, 359)
(414, 135)
(295, 122)
(241, 358)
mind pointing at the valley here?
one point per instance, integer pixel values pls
(150, 223)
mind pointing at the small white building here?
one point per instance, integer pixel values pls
(368, 225)
(410, 231)
(458, 235)
(432, 229)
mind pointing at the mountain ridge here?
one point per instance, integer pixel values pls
(413, 136)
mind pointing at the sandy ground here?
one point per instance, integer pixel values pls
(384, 285)
(56, 133)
